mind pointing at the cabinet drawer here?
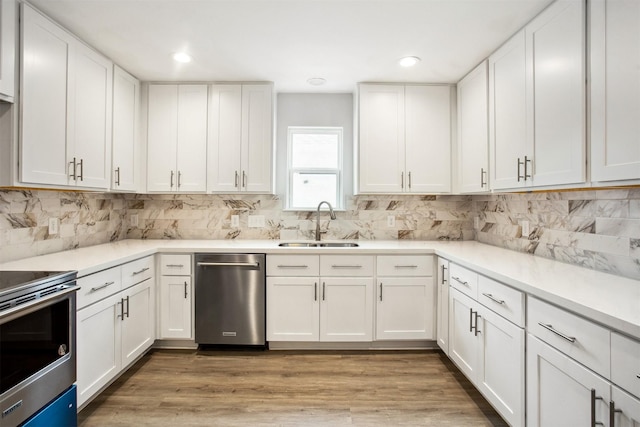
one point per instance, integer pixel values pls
(293, 265)
(505, 301)
(137, 271)
(175, 265)
(98, 286)
(404, 265)
(578, 338)
(464, 280)
(625, 363)
(344, 266)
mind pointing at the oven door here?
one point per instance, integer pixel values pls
(37, 354)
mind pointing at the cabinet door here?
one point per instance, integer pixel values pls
(346, 309)
(43, 90)
(138, 324)
(464, 344)
(8, 17)
(126, 102)
(473, 131)
(559, 389)
(162, 136)
(501, 376)
(405, 308)
(615, 89)
(442, 290)
(175, 307)
(381, 139)
(225, 130)
(192, 138)
(293, 309)
(428, 139)
(257, 138)
(556, 87)
(508, 114)
(89, 118)
(98, 344)
(627, 408)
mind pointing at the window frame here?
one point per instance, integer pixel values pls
(338, 171)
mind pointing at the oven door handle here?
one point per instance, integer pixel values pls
(31, 306)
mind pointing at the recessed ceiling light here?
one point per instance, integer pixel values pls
(409, 61)
(316, 81)
(182, 57)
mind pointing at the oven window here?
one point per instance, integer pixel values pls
(33, 341)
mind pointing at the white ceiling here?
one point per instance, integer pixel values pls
(290, 41)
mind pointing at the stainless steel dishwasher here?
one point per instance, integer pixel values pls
(230, 299)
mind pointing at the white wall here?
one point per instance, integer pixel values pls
(312, 109)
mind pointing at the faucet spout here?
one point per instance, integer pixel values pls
(332, 215)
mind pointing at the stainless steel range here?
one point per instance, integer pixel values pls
(37, 341)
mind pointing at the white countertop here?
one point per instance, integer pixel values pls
(611, 300)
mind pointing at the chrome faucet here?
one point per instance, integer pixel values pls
(331, 214)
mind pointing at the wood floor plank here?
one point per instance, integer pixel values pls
(277, 388)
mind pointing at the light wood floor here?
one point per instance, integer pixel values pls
(276, 388)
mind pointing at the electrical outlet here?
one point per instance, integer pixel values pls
(54, 226)
(256, 221)
(391, 221)
(133, 220)
(476, 222)
(235, 221)
(525, 228)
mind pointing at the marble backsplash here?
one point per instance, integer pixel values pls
(595, 229)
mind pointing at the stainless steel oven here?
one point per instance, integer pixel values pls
(37, 341)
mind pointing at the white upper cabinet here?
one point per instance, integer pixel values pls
(404, 138)
(8, 19)
(240, 147)
(126, 105)
(537, 102)
(177, 138)
(615, 89)
(66, 108)
(473, 132)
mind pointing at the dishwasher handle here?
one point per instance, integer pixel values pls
(229, 264)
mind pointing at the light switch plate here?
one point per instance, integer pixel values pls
(525, 228)
(476, 222)
(256, 221)
(235, 221)
(391, 221)
(133, 220)
(54, 226)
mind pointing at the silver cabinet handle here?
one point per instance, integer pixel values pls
(236, 180)
(526, 175)
(346, 266)
(324, 290)
(293, 266)
(638, 376)
(457, 279)
(471, 320)
(593, 408)
(406, 266)
(81, 176)
(171, 181)
(401, 179)
(121, 315)
(185, 290)
(244, 179)
(443, 281)
(558, 333)
(229, 264)
(380, 291)
(494, 299)
(612, 413)
(174, 265)
(135, 273)
(127, 299)
(315, 291)
(72, 175)
(117, 175)
(483, 173)
(179, 178)
(97, 288)
(477, 331)
(409, 176)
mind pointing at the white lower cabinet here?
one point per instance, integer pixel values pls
(405, 298)
(114, 331)
(319, 298)
(488, 348)
(176, 302)
(624, 409)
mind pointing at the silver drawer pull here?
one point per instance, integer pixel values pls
(175, 265)
(494, 299)
(346, 266)
(97, 288)
(558, 333)
(638, 376)
(293, 266)
(457, 279)
(406, 266)
(135, 273)
(229, 264)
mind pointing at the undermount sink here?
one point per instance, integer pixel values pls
(318, 245)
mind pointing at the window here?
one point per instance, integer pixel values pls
(314, 165)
